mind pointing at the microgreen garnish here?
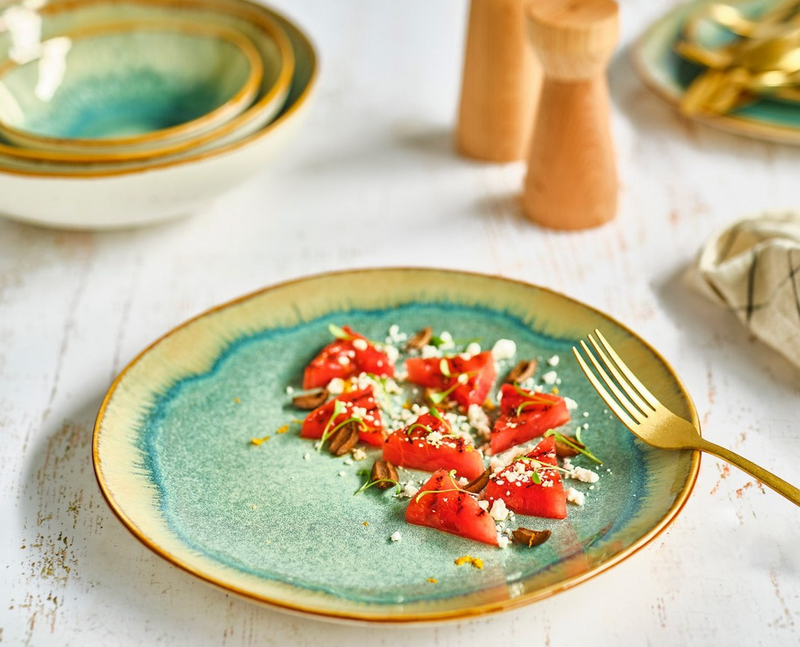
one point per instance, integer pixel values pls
(411, 428)
(368, 484)
(437, 341)
(342, 424)
(436, 414)
(339, 333)
(540, 465)
(532, 403)
(444, 367)
(578, 436)
(339, 408)
(523, 392)
(437, 397)
(452, 474)
(380, 379)
(531, 399)
(452, 489)
(563, 439)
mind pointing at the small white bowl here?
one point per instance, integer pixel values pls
(127, 87)
(134, 194)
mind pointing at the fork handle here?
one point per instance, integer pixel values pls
(767, 478)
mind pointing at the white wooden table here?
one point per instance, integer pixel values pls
(373, 181)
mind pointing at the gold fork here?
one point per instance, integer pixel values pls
(648, 419)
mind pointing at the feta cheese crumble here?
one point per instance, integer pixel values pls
(479, 421)
(499, 511)
(446, 340)
(429, 351)
(573, 496)
(473, 348)
(550, 377)
(396, 536)
(583, 475)
(504, 349)
(336, 386)
(392, 353)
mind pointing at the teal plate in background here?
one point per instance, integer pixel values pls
(278, 522)
(669, 74)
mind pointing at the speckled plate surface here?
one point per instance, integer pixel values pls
(173, 456)
(669, 75)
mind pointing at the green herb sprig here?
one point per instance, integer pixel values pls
(563, 439)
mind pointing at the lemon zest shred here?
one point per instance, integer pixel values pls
(477, 562)
(260, 441)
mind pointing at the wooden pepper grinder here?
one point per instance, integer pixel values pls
(572, 179)
(500, 83)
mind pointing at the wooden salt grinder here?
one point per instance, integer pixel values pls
(500, 83)
(572, 179)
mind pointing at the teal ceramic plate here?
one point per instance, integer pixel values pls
(669, 75)
(278, 522)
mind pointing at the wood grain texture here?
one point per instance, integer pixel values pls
(571, 181)
(374, 180)
(500, 83)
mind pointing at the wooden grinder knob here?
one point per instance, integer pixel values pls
(572, 179)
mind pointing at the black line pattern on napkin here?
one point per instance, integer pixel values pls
(794, 272)
(751, 286)
(751, 307)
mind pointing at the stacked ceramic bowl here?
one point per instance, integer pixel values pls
(116, 113)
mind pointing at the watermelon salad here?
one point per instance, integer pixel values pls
(478, 443)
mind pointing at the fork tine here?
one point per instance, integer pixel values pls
(602, 392)
(624, 384)
(621, 397)
(641, 388)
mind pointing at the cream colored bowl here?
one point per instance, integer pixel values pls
(259, 27)
(138, 193)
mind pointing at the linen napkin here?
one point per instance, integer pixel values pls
(753, 268)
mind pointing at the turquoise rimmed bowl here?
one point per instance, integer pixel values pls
(126, 86)
(62, 19)
(128, 193)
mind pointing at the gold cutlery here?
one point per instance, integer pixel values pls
(649, 420)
